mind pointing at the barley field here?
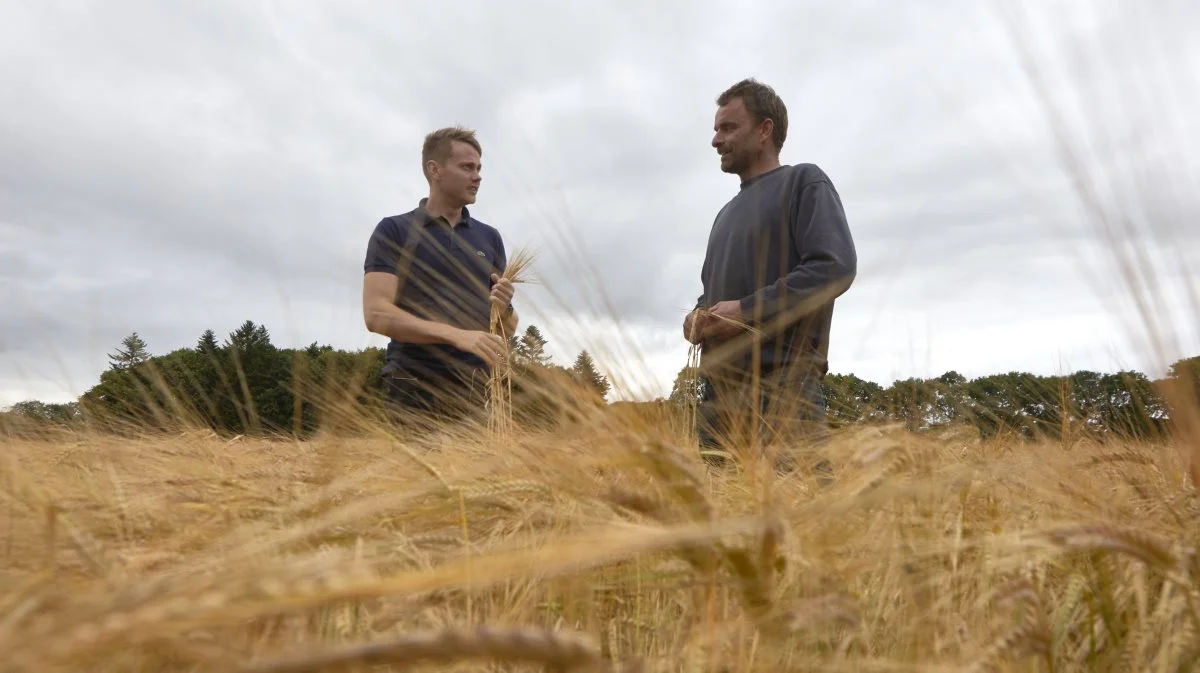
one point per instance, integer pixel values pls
(606, 546)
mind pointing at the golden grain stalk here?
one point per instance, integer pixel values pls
(692, 378)
(561, 650)
(518, 270)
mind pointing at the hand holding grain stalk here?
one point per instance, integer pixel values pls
(500, 380)
(502, 294)
(722, 321)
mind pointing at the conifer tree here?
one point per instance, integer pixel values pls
(586, 373)
(132, 352)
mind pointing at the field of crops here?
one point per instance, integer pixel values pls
(606, 546)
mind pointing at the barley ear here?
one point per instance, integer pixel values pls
(552, 649)
(499, 403)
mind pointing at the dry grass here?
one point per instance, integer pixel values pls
(745, 332)
(605, 549)
(518, 271)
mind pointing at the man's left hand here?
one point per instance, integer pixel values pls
(502, 292)
(726, 321)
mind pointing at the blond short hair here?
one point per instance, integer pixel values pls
(438, 144)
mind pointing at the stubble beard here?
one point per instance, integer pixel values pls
(735, 165)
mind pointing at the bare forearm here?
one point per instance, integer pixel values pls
(395, 323)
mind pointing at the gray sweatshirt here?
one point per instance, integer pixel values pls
(782, 247)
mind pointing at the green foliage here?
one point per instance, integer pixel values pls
(133, 352)
(208, 343)
(530, 348)
(248, 385)
(586, 373)
(854, 400)
(687, 388)
(1184, 377)
(1125, 404)
(245, 384)
(34, 410)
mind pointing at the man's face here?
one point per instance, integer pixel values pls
(737, 138)
(458, 178)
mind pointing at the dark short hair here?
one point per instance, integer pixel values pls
(438, 144)
(763, 103)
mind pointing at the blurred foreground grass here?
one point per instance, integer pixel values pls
(606, 545)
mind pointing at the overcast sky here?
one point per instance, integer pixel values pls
(173, 167)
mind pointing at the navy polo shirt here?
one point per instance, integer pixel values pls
(445, 276)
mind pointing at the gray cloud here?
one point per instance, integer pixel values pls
(170, 169)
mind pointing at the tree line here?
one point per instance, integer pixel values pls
(1125, 404)
(245, 384)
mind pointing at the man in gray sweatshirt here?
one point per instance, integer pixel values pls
(779, 254)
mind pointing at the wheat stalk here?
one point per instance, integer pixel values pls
(692, 385)
(561, 651)
(500, 379)
(691, 405)
(1145, 547)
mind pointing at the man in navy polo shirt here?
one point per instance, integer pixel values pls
(430, 278)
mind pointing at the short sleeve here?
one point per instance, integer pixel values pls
(501, 259)
(384, 247)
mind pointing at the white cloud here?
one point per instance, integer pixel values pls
(173, 170)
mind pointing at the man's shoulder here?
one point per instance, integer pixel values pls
(394, 227)
(805, 174)
(398, 220)
(487, 229)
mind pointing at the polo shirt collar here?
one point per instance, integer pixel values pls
(429, 219)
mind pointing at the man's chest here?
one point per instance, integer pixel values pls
(459, 253)
(744, 231)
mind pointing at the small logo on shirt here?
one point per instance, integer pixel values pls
(480, 253)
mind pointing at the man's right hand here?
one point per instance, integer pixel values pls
(490, 347)
(693, 326)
